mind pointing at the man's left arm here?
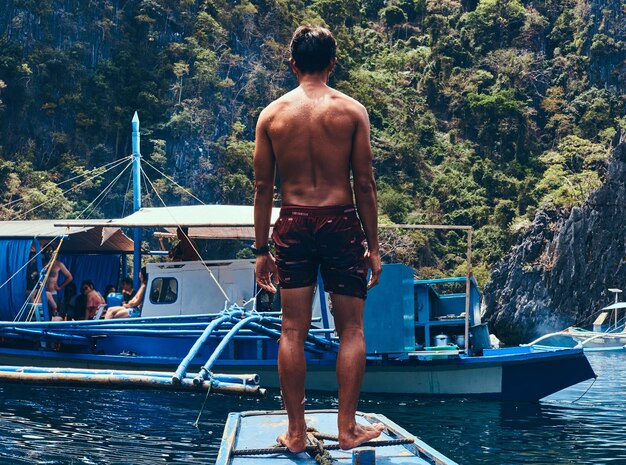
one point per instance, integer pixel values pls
(264, 170)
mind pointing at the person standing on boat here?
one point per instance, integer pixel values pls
(185, 250)
(317, 137)
(57, 269)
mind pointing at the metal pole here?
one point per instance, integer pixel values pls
(136, 198)
(124, 266)
(467, 288)
(44, 294)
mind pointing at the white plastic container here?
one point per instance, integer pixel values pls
(441, 340)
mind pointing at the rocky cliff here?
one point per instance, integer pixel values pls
(559, 272)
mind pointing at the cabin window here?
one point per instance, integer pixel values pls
(164, 291)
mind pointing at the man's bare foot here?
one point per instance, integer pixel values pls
(359, 434)
(294, 442)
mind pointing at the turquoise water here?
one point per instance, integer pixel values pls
(95, 426)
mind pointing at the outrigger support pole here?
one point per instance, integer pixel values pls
(216, 323)
(221, 384)
(136, 198)
(205, 371)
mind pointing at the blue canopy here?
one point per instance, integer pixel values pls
(13, 255)
(101, 269)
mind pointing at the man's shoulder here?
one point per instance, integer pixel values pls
(349, 104)
(345, 97)
(277, 105)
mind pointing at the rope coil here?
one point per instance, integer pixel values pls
(317, 449)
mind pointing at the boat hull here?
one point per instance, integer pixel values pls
(520, 374)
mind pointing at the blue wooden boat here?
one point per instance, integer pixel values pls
(188, 339)
(423, 337)
(250, 439)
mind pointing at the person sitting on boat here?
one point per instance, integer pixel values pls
(317, 137)
(127, 289)
(185, 250)
(68, 306)
(93, 299)
(132, 308)
(109, 289)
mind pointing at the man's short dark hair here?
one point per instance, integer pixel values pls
(312, 48)
(128, 280)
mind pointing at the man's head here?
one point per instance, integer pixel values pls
(127, 284)
(182, 232)
(313, 49)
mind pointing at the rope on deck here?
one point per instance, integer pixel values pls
(314, 448)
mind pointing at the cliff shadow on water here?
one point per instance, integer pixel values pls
(559, 272)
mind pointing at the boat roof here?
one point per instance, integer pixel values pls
(198, 216)
(616, 305)
(82, 238)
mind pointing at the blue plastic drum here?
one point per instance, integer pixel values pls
(114, 299)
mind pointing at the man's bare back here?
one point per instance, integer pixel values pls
(317, 137)
(312, 130)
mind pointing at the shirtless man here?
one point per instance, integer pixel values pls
(317, 137)
(185, 250)
(52, 284)
(132, 308)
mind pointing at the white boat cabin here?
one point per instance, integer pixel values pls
(191, 288)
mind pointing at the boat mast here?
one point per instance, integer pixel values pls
(617, 293)
(136, 199)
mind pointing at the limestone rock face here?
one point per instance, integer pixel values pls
(559, 272)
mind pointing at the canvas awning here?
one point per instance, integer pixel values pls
(194, 216)
(243, 233)
(82, 238)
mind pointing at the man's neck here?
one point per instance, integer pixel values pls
(313, 80)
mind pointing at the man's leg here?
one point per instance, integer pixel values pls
(348, 313)
(297, 309)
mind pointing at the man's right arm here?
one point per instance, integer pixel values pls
(365, 191)
(264, 170)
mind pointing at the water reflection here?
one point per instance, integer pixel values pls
(96, 426)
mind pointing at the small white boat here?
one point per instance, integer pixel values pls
(250, 439)
(606, 333)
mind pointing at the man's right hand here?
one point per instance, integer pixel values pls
(372, 258)
(265, 269)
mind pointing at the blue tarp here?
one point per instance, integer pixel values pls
(101, 269)
(13, 255)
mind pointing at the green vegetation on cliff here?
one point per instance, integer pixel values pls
(482, 111)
